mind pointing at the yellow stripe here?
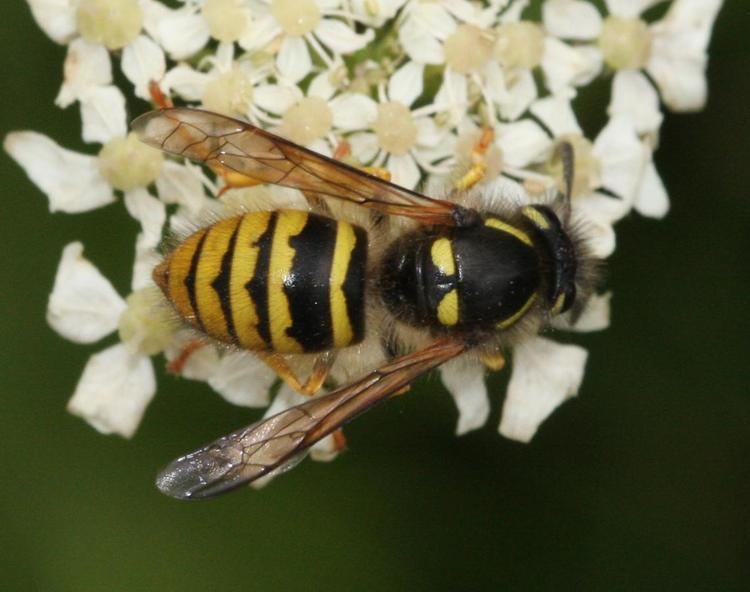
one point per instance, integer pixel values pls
(505, 227)
(209, 268)
(180, 261)
(442, 256)
(342, 254)
(536, 217)
(447, 310)
(289, 223)
(518, 314)
(245, 259)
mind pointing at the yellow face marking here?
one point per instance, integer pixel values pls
(209, 267)
(442, 256)
(180, 262)
(245, 259)
(505, 227)
(518, 314)
(557, 307)
(536, 218)
(447, 309)
(289, 223)
(342, 253)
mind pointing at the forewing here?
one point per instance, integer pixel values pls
(234, 146)
(276, 443)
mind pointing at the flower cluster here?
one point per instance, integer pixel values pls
(408, 85)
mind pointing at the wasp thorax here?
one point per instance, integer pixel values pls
(478, 278)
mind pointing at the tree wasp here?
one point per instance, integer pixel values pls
(453, 279)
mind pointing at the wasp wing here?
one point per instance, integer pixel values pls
(278, 442)
(232, 146)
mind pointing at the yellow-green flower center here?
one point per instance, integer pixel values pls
(113, 23)
(468, 48)
(127, 163)
(296, 17)
(230, 93)
(395, 128)
(309, 120)
(146, 325)
(625, 43)
(227, 19)
(519, 44)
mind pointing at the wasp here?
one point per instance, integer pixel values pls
(455, 279)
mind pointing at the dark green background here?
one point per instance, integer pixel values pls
(642, 483)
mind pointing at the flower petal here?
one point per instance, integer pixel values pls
(557, 114)
(629, 8)
(86, 65)
(523, 142)
(594, 317)
(335, 35)
(404, 170)
(545, 374)
(652, 199)
(188, 83)
(419, 43)
(57, 18)
(566, 66)
(242, 379)
(72, 181)
(114, 390)
(83, 306)
(353, 111)
(146, 258)
(571, 19)
(103, 114)
(465, 383)
(293, 60)
(406, 84)
(622, 157)
(149, 211)
(181, 184)
(636, 99)
(276, 98)
(181, 32)
(143, 61)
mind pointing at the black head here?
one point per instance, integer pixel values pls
(559, 257)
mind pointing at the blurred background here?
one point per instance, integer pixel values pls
(641, 483)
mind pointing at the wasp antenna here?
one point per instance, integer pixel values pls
(567, 157)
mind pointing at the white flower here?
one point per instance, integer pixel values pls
(544, 375)
(399, 138)
(673, 50)
(293, 27)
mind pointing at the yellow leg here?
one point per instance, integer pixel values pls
(314, 382)
(478, 164)
(378, 172)
(494, 361)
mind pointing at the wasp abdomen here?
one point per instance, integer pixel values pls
(286, 281)
(481, 277)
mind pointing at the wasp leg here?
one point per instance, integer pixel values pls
(178, 364)
(494, 361)
(158, 97)
(478, 163)
(321, 367)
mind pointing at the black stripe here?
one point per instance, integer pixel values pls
(354, 285)
(190, 280)
(257, 286)
(222, 281)
(308, 285)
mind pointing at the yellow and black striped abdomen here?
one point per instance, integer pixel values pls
(286, 281)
